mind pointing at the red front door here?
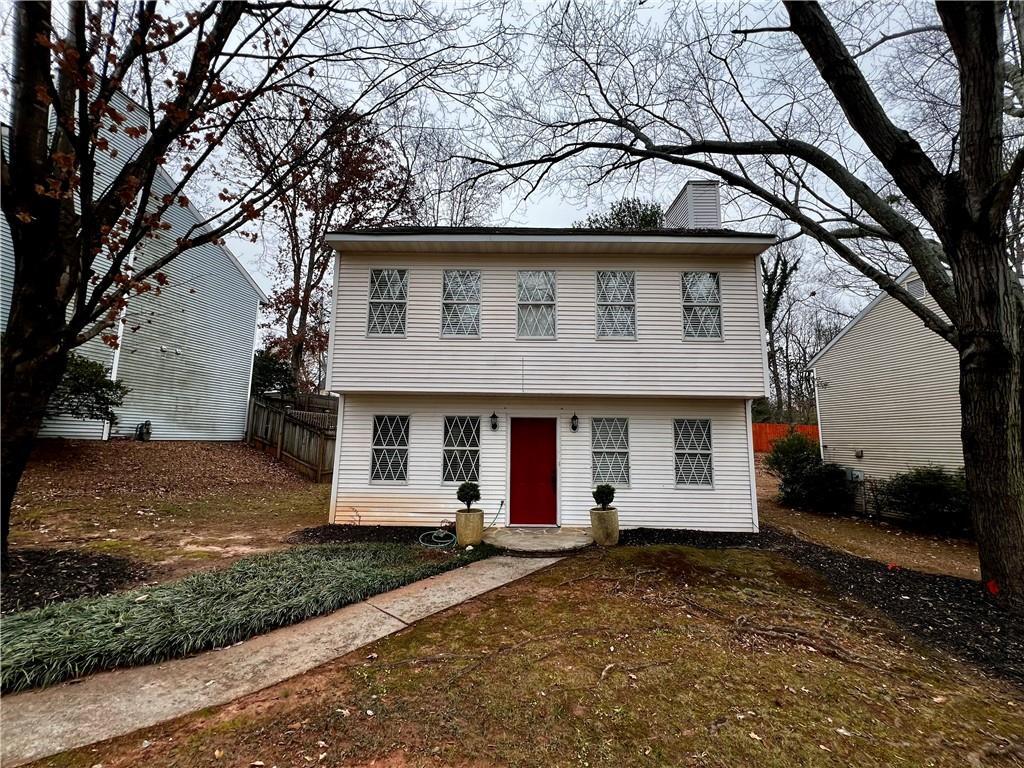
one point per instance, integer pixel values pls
(534, 473)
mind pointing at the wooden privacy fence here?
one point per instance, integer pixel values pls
(303, 439)
(765, 435)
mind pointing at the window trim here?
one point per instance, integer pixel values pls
(374, 447)
(710, 453)
(684, 304)
(478, 302)
(445, 448)
(598, 304)
(593, 464)
(553, 304)
(370, 301)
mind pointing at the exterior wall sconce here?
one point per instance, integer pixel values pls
(494, 421)
(574, 423)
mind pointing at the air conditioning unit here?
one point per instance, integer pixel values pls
(854, 475)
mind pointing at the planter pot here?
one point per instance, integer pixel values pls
(604, 526)
(469, 527)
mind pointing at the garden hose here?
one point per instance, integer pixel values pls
(441, 539)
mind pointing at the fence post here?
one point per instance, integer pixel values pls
(280, 434)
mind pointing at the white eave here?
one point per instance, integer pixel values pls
(582, 242)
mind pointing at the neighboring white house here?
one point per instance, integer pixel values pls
(540, 362)
(185, 355)
(888, 391)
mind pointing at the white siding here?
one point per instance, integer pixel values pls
(652, 498)
(208, 312)
(189, 361)
(890, 387)
(657, 362)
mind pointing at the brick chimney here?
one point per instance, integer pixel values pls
(697, 206)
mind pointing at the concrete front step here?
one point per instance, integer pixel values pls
(538, 541)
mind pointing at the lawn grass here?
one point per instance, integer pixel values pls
(206, 610)
(638, 656)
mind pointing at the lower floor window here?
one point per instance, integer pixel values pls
(693, 452)
(609, 441)
(461, 460)
(390, 461)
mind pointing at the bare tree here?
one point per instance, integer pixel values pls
(356, 180)
(178, 86)
(804, 116)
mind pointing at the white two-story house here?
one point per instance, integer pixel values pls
(541, 362)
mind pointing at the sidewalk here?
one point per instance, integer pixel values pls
(40, 723)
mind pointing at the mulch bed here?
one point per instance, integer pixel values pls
(349, 534)
(950, 613)
(42, 576)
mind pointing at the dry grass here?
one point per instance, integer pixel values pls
(869, 538)
(637, 656)
(180, 506)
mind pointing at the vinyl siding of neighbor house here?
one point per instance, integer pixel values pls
(658, 361)
(186, 355)
(889, 387)
(188, 364)
(652, 498)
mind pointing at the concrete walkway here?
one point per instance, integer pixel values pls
(41, 723)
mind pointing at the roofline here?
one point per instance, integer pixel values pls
(856, 319)
(554, 236)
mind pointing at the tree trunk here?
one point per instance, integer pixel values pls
(33, 364)
(990, 406)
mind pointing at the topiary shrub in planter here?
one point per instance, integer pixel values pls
(927, 498)
(604, 519)
(805, 481)
(469, 522)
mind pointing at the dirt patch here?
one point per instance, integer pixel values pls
(661, 655)
(41, 576)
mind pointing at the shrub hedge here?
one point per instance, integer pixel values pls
(805, 481)
(928, 498)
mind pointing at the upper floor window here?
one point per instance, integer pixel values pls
(915, 288)
(536, 294)
(461, 460)
(460, 303)
(609, 445)
(389, 290)
(693, 452)
(702, 306)
(616, 305)
(390, 462)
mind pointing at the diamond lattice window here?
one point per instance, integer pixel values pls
(702, 306)
(609, 442)
(536, 291)
(461, 461)
(388, 292)
(616, 305)
(390, 449)
(693, 452)
(460, 303)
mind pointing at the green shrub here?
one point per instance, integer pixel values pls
(805, 481)
(604, 495)
(929, 498)
(468, 493)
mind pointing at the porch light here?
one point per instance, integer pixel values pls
(574, 423)
(494, 421)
